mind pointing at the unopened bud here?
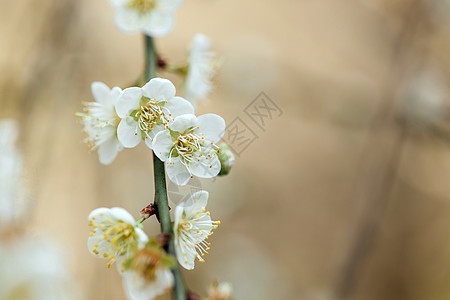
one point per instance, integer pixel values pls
(226, 158)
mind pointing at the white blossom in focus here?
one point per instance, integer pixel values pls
(192, 226)
(115, 235)
(152, 17)
(33, 269)
(148, 110)
(189, 147)
(13, 193)
(200, 69)
(148, 273)
(100, 122)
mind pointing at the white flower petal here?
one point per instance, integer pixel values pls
(185, 258)
(97, 242)
(196, 202)
(162, 143)
(121, 214)
(177, 215)
(200, 43)
(118, 3)
(178, 106)
(177, 171)
(115, 93)
(100, 214)
(152, 134)
(183, 123)
(108, 150)
(142, 238)
(100, 91)
(128, 20)
(168, 5)
(212, 126)
(138, 289)
(128, 101)
(160, 89)
(128, 132)
(206, 168)
(120, 262)
(159, 23)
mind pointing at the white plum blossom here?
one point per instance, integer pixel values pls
(13, 192)
(201, 68)
(189, 147)
(100, 122)
(34, 268)
(192, 226)
(220, 291)
(148, 110)
(152, 17)
(115, 235)
(148, 273)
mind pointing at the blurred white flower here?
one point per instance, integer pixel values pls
(423, 96)
(33, 269)
(152, 17)
(192, 226)
(200, 69)
(148, 273)
(220, 291)
(189, 148)
(100, 122)
(148, 110)
(13, 193)
(115, 235)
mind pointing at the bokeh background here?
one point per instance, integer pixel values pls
(343, 196)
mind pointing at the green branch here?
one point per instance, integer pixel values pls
(160, 181)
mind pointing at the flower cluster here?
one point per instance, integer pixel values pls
(144, 265)
(166, 123)
(185, 143)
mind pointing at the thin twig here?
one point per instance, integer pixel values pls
(161, 199)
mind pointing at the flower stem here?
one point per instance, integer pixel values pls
(160, 181)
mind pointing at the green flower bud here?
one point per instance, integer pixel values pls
(226, 158)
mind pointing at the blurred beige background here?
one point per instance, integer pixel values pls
(345, 196)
